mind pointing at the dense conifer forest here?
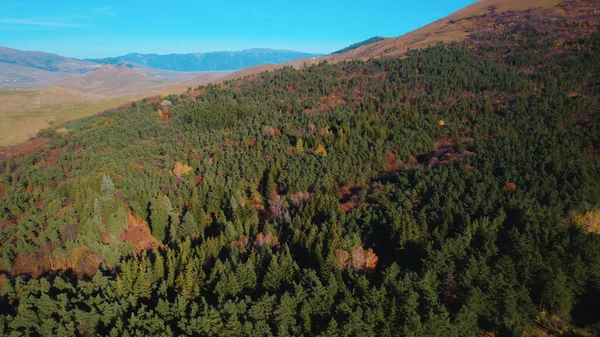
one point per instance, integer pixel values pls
(453, 192)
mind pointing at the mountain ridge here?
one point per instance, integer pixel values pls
(45, 61)
(210, 61)
(31, 69)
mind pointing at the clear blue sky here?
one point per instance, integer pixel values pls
(87, 29)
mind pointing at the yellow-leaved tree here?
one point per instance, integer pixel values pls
(589, 221)
(299, 145)
(180, 169)
(321, 150)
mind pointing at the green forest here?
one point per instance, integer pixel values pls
(452, 192)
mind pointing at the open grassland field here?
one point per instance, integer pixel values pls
(24, 113)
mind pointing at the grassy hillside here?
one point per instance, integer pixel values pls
(24, 113)
(453, 192)
(457, 26)
(13, 76)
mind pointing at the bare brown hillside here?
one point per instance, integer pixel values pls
(112, 81)
(16, 76)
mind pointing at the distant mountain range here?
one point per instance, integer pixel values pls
(27, 69)
(214, 61)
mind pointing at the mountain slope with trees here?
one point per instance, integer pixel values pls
(453, 192)
(360, 44)
(457, 26)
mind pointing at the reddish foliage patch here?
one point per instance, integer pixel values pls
(358, 260)
(370, 260)
(348, 206)
(342, 258)
(344, 191)
(444, 152)
(348, 201)
(138, 233)
(509, 187)
(31, 146)
(33, 264)
(262, 212)
(2, 190)
(392, 162)
(433, 161)
(241, 243)
(266, 239)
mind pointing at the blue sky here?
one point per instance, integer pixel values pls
(89, 29)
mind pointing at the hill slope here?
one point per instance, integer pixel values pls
(24, 69)
(45, 61)
(24, 112)
(451, 192)
(455, 27)
(14, 76)
(360, 44)
(206, 78)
